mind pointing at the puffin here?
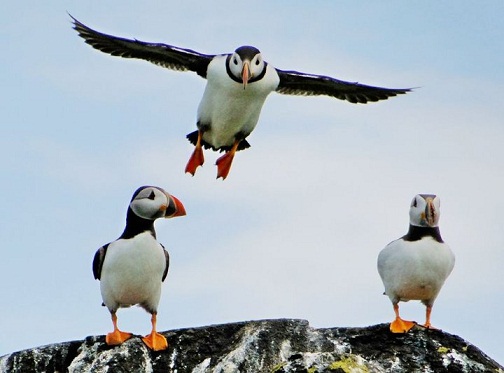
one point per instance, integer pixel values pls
(237, 86)
(415, 266)
(132, 268)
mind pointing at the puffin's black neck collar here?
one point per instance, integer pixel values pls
(416, 233)
(238, 80)
(136, 225)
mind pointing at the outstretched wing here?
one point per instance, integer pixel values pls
(98, 261)
(164, 55)
(296, 83)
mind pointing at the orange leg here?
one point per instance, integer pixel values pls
(197, 158)
(116, 337)
(224, 162)
(428, 311)
(154, 340)
(399, 325)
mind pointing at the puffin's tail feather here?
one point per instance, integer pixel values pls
(193, 139)
(243, 145)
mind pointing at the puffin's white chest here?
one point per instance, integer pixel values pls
(132, 272)
(415, 270)
(229, 108)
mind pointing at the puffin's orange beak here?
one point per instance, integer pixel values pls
(174, 208)
(430, 212)
(179, 207)
(245, 74)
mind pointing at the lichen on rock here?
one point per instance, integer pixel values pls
(269, 346)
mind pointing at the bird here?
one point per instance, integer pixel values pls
(237, 86)
(132, 268)
(415, 266)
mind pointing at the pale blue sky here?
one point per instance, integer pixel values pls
(296, 228)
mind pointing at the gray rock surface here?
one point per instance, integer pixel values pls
(280, 346)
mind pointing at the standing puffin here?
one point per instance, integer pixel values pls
(237, 86)
(415, 266)
(132, 268)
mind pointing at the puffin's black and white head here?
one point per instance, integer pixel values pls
(151, 203)
(424, 210)
(246, 64)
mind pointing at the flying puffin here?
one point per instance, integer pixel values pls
(237, 86)
(415, 266)
(132, 268)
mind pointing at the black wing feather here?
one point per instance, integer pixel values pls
(167, 258)
(164, 55)
(296, 83)
(98, 261)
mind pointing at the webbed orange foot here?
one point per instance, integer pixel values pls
(197, 159)
(117, 337)
(155, 341)
(224, 165)
(224, 162)
(429, 326)
(401, 326)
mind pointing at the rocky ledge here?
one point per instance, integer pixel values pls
(280, 346)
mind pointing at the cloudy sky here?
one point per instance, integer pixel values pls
(295, 230)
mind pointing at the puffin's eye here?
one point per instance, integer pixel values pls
(414, 203)
(257, 62)
(235, 61)
(152, 195)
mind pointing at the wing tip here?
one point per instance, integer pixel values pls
(75, 22)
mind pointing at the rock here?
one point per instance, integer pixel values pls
(276, 346)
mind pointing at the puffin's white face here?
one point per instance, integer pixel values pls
(246, 63)
(153, 202)
(424, 210)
